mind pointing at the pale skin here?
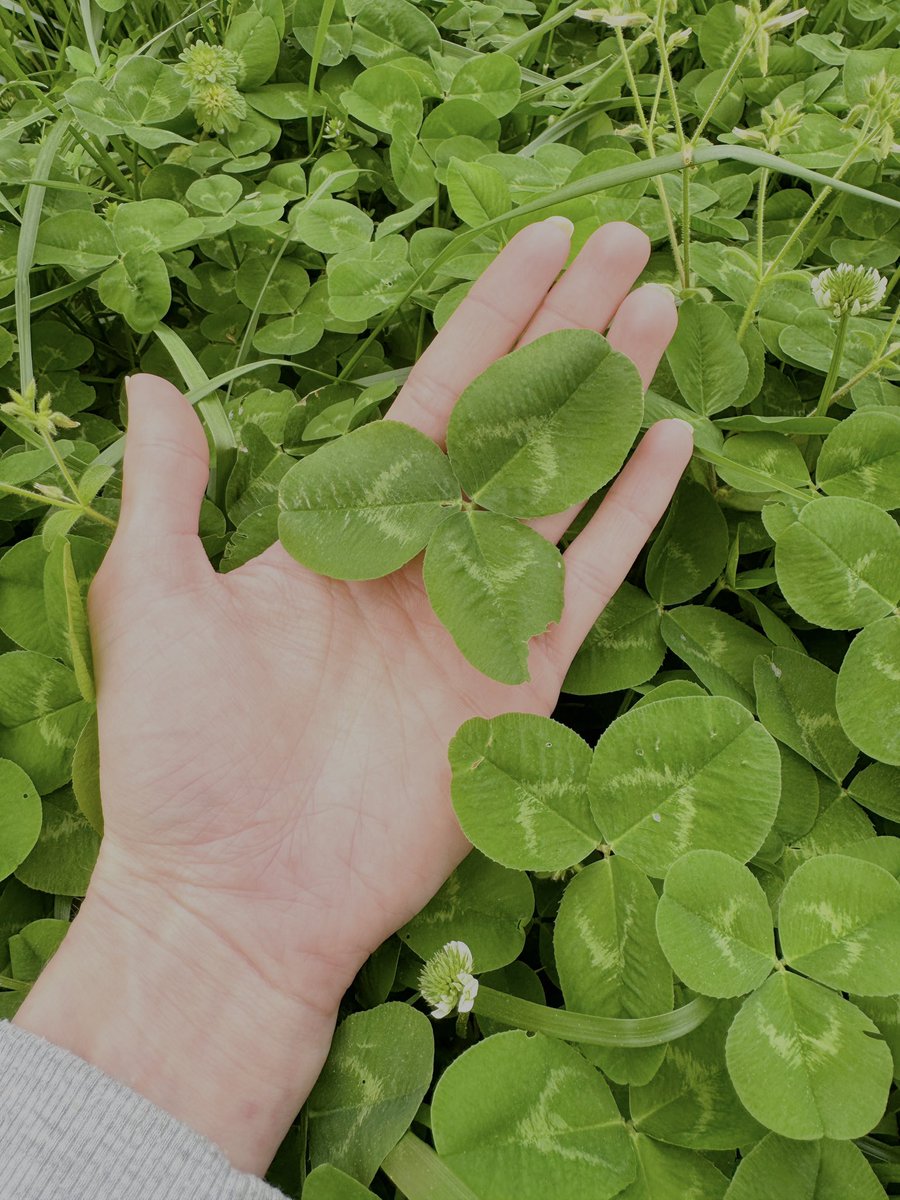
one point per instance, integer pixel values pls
(273, 743)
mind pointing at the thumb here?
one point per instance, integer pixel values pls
(166, 467)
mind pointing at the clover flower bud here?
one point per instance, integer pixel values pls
(48, 489)
(681, 37)
(212, 74)
(218, 108)
(446, 980)
(786, 19)
(202, 64)
(848, 290)
(37, 414)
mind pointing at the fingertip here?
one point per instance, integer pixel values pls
(620, 241)
(656, 302)
(143, 388)
(674, 436)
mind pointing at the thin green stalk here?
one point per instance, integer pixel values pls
(573, 114)
(825, 17)
(548, 85)
(532, 53)
(722, 89)
(103, 161)
(316, 57)
(873, 366)
(10, 489)
(217, 424)
(63, 469)
(654, 107)
(651, 150)
(589, 1029)
(517, 43)
(804, 221)
(889, 332)
(761, 217)
(414, 1168)
(52, 298)
(31, 216)
(837, 355)
(252, 323)
(134, 186)
(883, 31)
(88, 22)
(719, 586)
(660, 34)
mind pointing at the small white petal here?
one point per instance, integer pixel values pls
(470, 991)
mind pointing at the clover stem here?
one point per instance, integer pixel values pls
(881, 361)
(837, 355)
(889, 333)
(750, 310)
(719, 586)
(590, 1029)
(78, 502)
(10, 489)
(660, 33)
(722, 89)
(325, 15)
(761, 217)
(64, 470)
(651, 150)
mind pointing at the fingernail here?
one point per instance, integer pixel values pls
(563, 222)
(686, 424)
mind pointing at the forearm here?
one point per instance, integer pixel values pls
(148, 993)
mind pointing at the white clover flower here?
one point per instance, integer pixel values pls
(848, 290)
(446, 980)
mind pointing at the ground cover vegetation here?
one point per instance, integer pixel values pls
(673, 954)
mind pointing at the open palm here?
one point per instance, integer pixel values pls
(274, 743)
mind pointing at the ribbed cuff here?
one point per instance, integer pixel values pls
(68, 1131)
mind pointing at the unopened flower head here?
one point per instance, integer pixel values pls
(219, 108)
(212, 74)
(202, 64)
(446, 980)
(780, 123)
(847, 290)
(37, 414)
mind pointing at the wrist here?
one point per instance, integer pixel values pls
(155, 996)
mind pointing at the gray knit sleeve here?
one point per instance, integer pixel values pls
(68, 1131)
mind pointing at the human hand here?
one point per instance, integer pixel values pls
(273, 742)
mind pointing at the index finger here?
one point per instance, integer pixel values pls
(485, 326)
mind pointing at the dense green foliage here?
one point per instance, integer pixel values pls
(683, 908)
